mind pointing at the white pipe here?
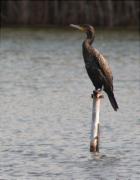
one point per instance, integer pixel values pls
(94, 143)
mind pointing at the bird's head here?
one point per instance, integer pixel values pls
(88, 29)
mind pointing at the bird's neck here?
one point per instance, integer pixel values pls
(87, 50)
(88, 42)
(90, 37)
(87, 45)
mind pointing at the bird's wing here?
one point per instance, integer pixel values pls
(105, 68)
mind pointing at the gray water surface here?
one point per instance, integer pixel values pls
(45, 107)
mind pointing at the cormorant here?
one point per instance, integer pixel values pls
(96, 65)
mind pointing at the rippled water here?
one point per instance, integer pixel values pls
(45, 107)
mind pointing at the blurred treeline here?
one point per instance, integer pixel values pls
(107, 13)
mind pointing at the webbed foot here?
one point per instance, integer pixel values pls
(97, 93)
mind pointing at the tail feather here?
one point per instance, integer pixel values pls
(112, 100)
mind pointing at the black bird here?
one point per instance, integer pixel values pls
(96, 65)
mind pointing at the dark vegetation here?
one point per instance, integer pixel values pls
(107, 13)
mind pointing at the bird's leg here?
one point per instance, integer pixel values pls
(97, 93)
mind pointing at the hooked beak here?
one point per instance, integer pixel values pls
(78, 27)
